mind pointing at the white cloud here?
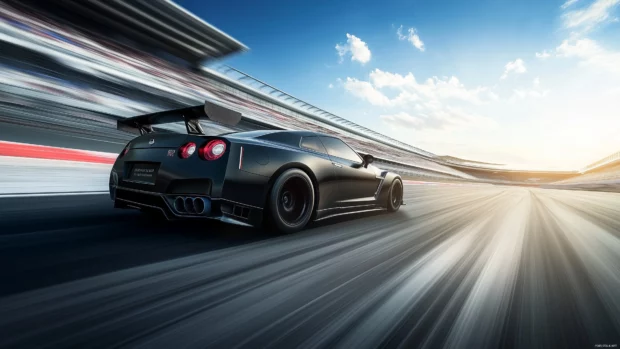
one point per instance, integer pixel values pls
(590, 53)
(412, 36)
(535, 92)
(588, 18)
(356, 47)
(568, 4)
(432, 88)
(577, 99)
(436, 117)
(525, 93)
(516, 67)
(330, 86)
(429, 100)
(365, 90)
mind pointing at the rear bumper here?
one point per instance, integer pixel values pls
(220, 209)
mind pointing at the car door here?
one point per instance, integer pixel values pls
(356, 184)
(323, 169)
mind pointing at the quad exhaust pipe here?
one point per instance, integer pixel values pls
(179, 204)
(202, 205)
(189, 205)
(192, 205)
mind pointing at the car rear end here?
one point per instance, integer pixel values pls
(182, 176)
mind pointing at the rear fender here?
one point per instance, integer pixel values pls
(302, 167)
(271, 161)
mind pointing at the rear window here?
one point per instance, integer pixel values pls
(313, 143)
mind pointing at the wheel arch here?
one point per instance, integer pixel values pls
(390, 177)
(288, 166)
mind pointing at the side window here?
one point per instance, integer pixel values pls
(313, 143)
(340, 149)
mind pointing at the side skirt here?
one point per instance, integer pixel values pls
(351, 212)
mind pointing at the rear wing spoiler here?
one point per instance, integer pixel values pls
(143, 124)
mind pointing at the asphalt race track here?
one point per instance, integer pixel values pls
(458, 267)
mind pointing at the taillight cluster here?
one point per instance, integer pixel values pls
(187, 150)
(213, 150)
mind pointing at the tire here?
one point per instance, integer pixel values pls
(291, 202)
(395, 196)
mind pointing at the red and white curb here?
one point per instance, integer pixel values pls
(23, 150)
(34, 170)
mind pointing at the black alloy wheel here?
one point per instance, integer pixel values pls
(291, 201)
(395, 198)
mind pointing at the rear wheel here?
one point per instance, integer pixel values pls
(291, 201)
(395, 198)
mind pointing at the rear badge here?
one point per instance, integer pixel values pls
(151, 141)
(171, 152)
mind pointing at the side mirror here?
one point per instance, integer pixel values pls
(368, 159)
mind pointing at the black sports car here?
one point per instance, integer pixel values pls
(278, 177)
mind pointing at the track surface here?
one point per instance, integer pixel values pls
(458, 267)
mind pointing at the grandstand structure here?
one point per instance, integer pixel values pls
(608, 160)
(155, 25)
(83, 64)
(604, 173)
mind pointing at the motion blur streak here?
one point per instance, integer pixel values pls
(23, 150)
(24, 176)
(466, 267)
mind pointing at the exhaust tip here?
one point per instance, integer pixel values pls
(179, 204)
(202, 205)
(189, 205)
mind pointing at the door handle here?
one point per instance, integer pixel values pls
(336, 164)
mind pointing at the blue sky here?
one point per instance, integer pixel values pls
(533, 84)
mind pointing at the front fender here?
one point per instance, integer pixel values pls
(390, 177)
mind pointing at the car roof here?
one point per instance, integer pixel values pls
(256, 134)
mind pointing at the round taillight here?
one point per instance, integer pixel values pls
(213, 150)
(187, 150)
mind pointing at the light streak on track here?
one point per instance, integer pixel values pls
(457, 267)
